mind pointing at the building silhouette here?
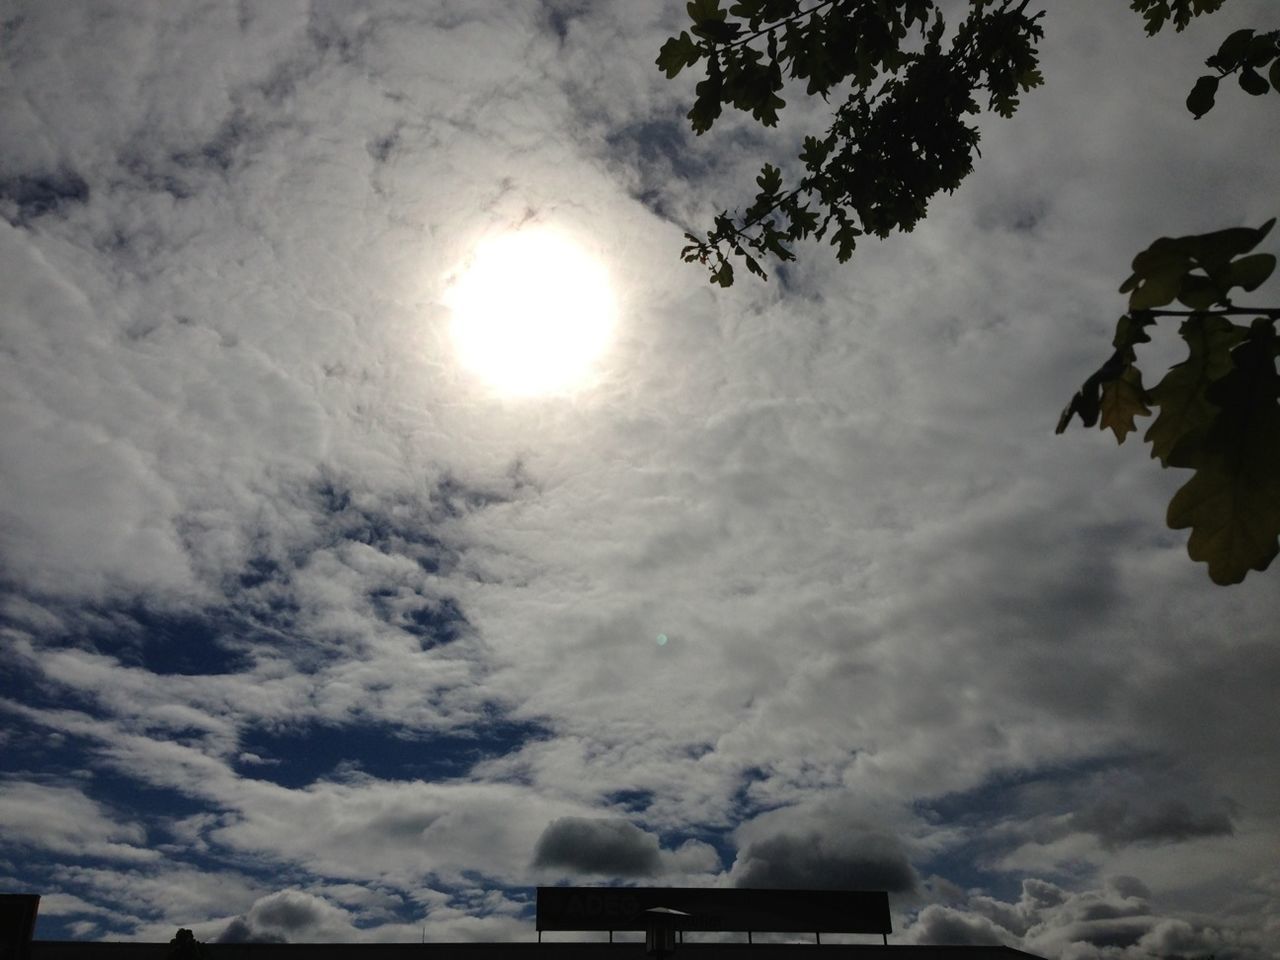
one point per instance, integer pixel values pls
(734, 917)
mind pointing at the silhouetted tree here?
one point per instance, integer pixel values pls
(185, 946)
(905, 132)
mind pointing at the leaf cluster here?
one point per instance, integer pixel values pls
(1244, 54)
(903, 131)
(1159, 12)
(1218, 410)
(902, 134)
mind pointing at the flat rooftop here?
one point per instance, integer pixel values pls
(88, 950)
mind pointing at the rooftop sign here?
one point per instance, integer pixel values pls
(715, 909)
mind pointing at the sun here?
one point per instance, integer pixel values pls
(531, 312)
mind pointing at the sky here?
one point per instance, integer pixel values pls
(310, 632)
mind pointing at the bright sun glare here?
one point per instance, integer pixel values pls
(531, 312)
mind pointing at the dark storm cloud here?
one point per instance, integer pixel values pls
(560, 16)
(239, 931)
(1122, 801)
(849, 859)
(939, 924)
(1050, 921)
(1117, 932)
(612, 847)
(290, 915)
(27, 197)
(1120, 822)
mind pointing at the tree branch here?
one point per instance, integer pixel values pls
(1272, 312)
(792, 18)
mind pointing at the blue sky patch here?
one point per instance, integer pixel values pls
(300, 756)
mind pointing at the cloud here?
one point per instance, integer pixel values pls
(1168, 820)
(166, 894)
(339, 913)
(289, 916)
(1046, 919)
(1115, 920)
(614, 848)
(1125, 809)
(29, 197)
(240, 931)
(62, 820)
(291, 601)
(841, 855)
(401, 832)
(937, 924)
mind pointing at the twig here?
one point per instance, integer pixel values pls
(1272, 312)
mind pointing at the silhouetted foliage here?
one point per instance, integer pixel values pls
(185, 946)
(903, 134)
(1244, 53)
(1159, 12)
(1218, 411)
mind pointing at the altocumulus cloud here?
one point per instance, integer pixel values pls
(62, 820)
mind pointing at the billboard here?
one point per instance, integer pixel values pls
(715, 909)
